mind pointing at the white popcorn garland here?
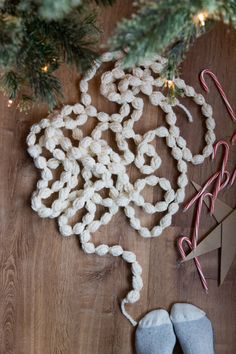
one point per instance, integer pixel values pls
(92, 157)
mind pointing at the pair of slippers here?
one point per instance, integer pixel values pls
(157, 331)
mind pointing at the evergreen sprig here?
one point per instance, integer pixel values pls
(36, 37)
(168, 27)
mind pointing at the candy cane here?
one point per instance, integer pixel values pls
(220, 88)
(206, 185)
(193, 242)
(196, 260)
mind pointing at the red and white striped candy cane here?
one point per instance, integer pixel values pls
(220, 88)
(196, 260)
(229, 108)
(192, 243)
(206, 185)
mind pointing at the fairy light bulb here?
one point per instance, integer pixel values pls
(9, 103)
(200, 18)
(45, 68)
(170, 84)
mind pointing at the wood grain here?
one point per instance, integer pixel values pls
(54, 299)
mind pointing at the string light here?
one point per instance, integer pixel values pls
(170, 84)
(45, 68)
(9, 103)
(200, 18)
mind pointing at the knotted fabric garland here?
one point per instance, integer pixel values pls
(93, 159)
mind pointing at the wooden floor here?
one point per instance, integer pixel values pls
(54, 299)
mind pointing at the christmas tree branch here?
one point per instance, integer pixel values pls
(169, 27)
(36, 37)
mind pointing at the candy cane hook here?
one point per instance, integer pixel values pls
(219, 87)
(225, 156)
(196, 260)
(206, 185)
(192, 243)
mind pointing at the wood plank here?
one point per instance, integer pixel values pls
(54, 299)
